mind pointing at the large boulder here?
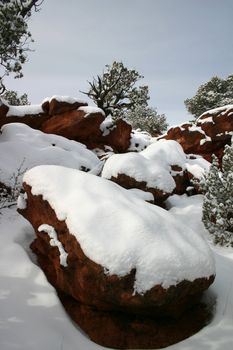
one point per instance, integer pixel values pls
(32, 115)
(161, 169)
(207, 135)
(127, 272)
(61, 104)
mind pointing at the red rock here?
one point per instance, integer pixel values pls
(74, 125)
(104, 305)
(35, 121)
(129, 182)
(54, 106)
(119, 136)
(207, 136)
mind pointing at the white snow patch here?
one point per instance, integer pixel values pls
(139, 140)
(217, 110)
(121, 232)
(22, 201)
(205, 120)
(107, 125)
(90, 109)
(206, 139)
(59, 98)
(22, 111)
(21, 144)
(54, 242)
(145, 196)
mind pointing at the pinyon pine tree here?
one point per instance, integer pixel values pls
(14, 99)
(15, 38)
(215, 93)
(116, 92)
(217, 186)
(147, 119)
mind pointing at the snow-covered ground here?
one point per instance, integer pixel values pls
(32, 318)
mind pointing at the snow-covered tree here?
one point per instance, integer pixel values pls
(115, 90)
(15, 37)
(14, 99)
(147, 119)
(117, 93)
(216, 92)
(218, 199)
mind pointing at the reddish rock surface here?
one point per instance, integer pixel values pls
(129, 182)
(66, 119)
(105, 306)
(119, 136)
(74, 125)
(207, 136)
(53, 106)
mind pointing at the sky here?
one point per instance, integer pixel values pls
(177, 45)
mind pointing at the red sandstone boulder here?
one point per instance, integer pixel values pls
(32, 115)
(208, 135)
(161, 169)
(76, 125)
(119, 136)
(136, 311)
(61, 104)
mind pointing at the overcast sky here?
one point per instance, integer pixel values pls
(175, 44)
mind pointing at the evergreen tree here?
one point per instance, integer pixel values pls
(14, 99)
(215, 93)
(117, 94)
(147, 119)
(218, 199)
(15, 37)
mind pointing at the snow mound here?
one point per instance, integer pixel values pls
(121, 232)
(153, 165)
(139, 140)
(22, 111)
(60, 98)
(90, 109)
(23, 147)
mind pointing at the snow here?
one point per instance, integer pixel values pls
(139, 235)
(206, 139)
(67, 99)
(195, 128)
(107, 125)
(139, 140)
(23, 146)
(153, 165)
(54, 242)
(90, 109)
(32, 317)
(146, 196)
(138, 167)
(205, 120)
(22, 111)
(22, 201)
(217, 110)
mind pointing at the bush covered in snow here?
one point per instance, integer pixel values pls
(218, 199)
(216, 92)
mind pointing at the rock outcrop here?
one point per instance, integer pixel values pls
(161, 169)
(208, 135)
(108, 306)
(73, 119)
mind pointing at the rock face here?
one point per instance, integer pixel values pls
(74, 125)
(106, 305)
(61, 104)
(73, 119)
(208, 135)
(161, 169)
